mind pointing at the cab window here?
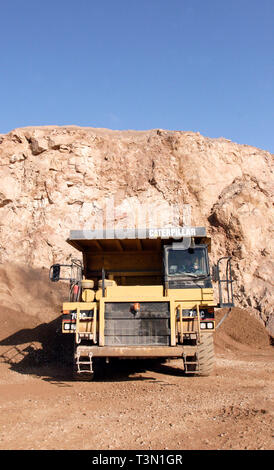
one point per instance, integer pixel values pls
(187, 262)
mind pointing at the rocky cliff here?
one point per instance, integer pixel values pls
(54, 179)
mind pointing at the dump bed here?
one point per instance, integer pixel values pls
(129, 256)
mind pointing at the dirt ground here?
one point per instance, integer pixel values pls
(136, 404)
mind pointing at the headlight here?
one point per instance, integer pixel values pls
(69, 326)
(207, 325)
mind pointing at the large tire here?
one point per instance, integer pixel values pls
(206, 355)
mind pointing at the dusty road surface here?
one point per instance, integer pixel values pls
(137, 404)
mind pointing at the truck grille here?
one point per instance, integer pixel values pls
(150, 326)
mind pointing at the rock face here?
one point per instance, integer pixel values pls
(54, 179)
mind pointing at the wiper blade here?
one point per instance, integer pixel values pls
(190, 275)
(196, 276)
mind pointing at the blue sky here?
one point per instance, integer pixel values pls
(193, 65)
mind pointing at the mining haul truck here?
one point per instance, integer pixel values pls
(143, 296)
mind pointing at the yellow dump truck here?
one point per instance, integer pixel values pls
(143, 294)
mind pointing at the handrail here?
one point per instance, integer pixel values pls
(227, 280)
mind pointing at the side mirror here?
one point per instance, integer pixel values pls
(215, 273)
(54, 273)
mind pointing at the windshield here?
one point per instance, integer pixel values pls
(191, 262)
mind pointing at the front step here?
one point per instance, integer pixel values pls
(83, 364)
(192, 370)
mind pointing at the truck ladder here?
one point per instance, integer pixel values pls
(188, 326)
(191, 367)
(191, 363)
(83, 364)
